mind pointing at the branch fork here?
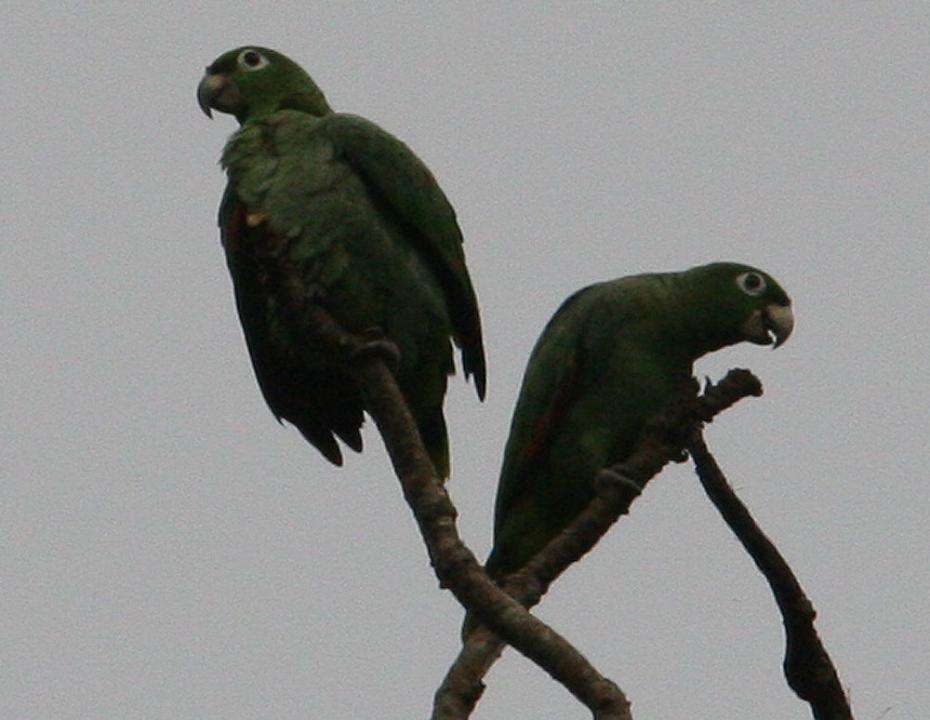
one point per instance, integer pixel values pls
(504, 608)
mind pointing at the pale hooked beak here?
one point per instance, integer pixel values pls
(218, 92)
(772, 321)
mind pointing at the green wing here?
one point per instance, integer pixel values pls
(404, 187)
(579, 407)
(551, 387)
(320, 401)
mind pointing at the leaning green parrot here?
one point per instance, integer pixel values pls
(368, 234)
(613, 356)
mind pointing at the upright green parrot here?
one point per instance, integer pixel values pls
(368, 234)
(613, 356)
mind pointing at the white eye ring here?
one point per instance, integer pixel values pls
(751, 283)
(250, 60)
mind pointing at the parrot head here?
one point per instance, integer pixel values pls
(250, 82)
(742, 303)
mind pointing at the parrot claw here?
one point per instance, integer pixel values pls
(376, 343)
(611, 480)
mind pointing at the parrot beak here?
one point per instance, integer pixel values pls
(772, 321)
(217, 91)
(780, 322)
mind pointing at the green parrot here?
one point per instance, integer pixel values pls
(368, 234)
(613, 356)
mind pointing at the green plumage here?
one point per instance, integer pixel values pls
(369, 234)
(613, 356)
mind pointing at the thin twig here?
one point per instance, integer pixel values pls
(807, 665)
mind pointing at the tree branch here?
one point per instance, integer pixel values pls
(454, 564)
(808, 668)
(617, 487)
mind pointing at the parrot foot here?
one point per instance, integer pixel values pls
(376, 343)
(610, 480)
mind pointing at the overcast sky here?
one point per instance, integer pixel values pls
(168, 551)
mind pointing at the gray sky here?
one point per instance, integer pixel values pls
(168, 551)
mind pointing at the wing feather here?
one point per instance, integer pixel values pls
(395, 175)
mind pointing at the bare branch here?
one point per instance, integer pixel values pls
(617, 487)
(462, 687)
(454, 564)
(808, 668)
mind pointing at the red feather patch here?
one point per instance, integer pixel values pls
(562, 400)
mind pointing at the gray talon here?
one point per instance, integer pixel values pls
(376, 343)
(610, 478)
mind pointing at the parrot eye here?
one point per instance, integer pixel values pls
(251, 60)
(751, 283)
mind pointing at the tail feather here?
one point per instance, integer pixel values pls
(436, 440)
(323, 441)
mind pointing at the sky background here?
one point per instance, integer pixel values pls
(167, 550)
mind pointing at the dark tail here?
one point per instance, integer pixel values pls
(436, 440)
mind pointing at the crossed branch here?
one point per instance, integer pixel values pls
(504, 608)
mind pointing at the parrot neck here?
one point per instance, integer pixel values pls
(706, 332)
(703, 324)
(311, 102)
